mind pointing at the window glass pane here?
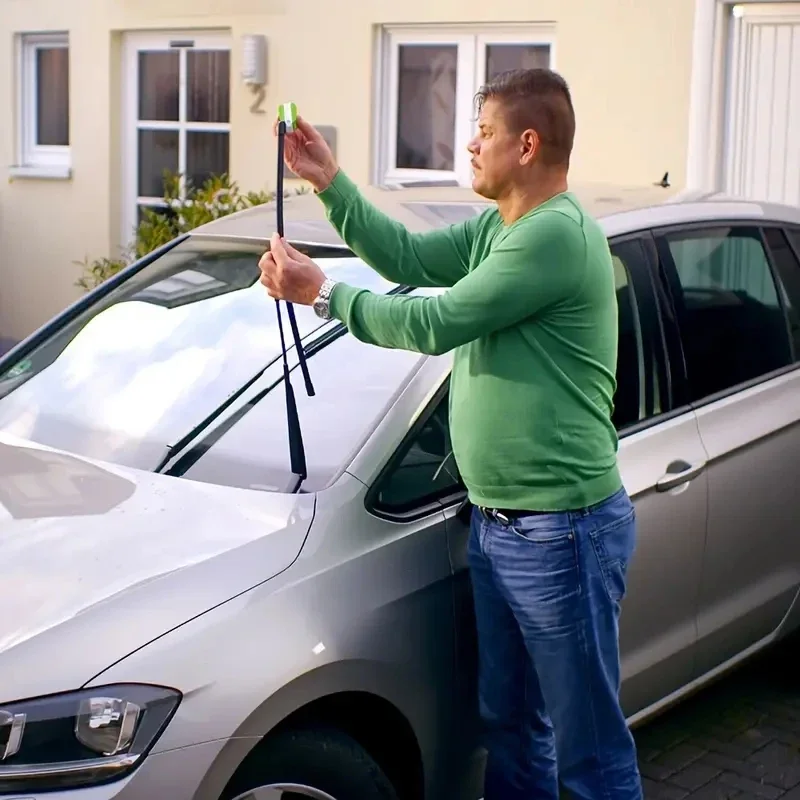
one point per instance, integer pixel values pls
(208, 85)
(159, 85)
(425, 470)
(732, 323)
(788, 269)
(426, 106)
(504, 57)
(629, 398)
(164, 210)
(206, 155)
(158, 152)
(52, 96)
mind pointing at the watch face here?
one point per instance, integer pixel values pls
(320, 309)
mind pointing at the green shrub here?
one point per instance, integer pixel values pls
(218, 197)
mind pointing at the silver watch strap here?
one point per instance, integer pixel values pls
(326, 289)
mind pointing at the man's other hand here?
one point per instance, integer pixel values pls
(288, 274)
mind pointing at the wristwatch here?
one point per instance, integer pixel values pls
(322, 305)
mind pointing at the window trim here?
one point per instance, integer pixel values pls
(34, 160)
(788, 229)
(471, 63)
(780, 287)
(671, 278)
(163, 41)
(783, 295)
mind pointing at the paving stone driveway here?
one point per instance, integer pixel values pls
(738, 739)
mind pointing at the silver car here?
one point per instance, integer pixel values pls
(202, 601)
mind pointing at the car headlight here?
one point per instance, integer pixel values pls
(80, 738)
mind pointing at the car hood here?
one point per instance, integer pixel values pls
(98, 560)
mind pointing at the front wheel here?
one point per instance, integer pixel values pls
(311, 765)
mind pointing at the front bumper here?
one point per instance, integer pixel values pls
(199, 772)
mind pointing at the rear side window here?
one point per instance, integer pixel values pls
(629, 397)
(788, 268)
(642, 385)
(732, 322)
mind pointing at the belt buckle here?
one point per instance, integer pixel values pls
(500, 517)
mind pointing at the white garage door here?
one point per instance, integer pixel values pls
(762, 153)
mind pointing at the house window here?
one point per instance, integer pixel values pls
(429, 82)
(178, 116)
(44, 102)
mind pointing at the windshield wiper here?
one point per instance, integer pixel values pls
(297, 451)
(201, 447)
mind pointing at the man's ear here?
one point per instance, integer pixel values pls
(529, 146)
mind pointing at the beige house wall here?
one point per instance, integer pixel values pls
(629, 65)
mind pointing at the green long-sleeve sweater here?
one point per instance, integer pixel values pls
(532, 317)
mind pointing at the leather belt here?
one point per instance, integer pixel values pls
(505, 515)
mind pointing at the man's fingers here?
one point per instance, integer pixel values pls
(291, 251)
(276, 247)
(266, 261)
(308, 130)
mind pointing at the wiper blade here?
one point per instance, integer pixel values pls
(297, 451)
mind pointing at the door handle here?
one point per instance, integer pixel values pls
(679, 472)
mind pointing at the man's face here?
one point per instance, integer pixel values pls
(498, 154)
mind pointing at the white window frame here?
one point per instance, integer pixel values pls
(134, 43)
(472, 41)
(47, 161)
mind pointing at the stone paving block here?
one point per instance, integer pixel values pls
(747, 769)
(680, 756)
(747, 785)
(781, 764)
(656, 790)
(716, 791)
(746, 743)
(695, 776)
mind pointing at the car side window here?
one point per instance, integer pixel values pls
(788, 268)
(727, 302)
(423, 470)
(629, 400)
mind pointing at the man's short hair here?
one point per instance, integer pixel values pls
(538, 99)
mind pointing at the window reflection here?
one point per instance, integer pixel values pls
(157, 355)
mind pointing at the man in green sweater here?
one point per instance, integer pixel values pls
(530, 313)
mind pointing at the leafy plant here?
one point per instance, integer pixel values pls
(185, 207)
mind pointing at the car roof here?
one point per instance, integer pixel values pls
(619, 209)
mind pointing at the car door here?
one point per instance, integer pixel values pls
(416, 483)
(661, 460)
(743, 383)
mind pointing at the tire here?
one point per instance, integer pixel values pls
(324, 760)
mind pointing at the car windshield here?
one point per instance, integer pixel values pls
(154, 357)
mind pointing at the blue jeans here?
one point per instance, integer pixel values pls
(547, 591)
